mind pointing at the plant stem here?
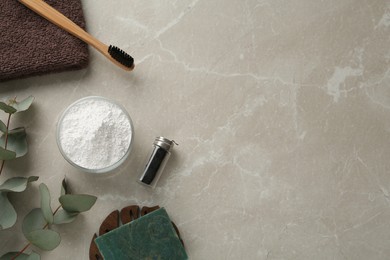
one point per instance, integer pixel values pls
(21, 251)
(24, 248)
(47, 224)
(56, 210)
(6, 141)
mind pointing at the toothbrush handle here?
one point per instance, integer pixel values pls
(51, 14)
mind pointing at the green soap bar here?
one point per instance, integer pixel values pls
(149, 237)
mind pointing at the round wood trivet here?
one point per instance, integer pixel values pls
(112, 221)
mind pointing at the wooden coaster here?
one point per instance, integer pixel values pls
(116, 219)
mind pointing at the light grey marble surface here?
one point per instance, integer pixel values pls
(282, 114)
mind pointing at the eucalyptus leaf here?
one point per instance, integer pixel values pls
(6, 108)
(45, 203)
(23, 256)
(34, 256)
(24, 104)
(64, 217)
(34, 220)
(64, 187)
(6, 154)
(7, 213)
(17, 184)
(77, 202)
(45, 239)
(17, 141)
(3, 127)
(18, 132)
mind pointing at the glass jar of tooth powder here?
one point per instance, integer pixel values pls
(94, 134)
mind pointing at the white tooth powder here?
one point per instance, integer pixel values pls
(94, 133)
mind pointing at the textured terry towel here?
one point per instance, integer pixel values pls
(30, 45)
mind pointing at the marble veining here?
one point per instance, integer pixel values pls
(281, 111)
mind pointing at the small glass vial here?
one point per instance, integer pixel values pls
(157, 161)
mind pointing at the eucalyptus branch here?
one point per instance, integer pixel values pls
(13, 144)
(29, 243)
(37, 223)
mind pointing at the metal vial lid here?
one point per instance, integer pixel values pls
(164, 143)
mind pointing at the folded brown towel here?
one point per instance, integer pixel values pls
(30, 45)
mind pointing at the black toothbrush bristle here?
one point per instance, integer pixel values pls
(121, 56)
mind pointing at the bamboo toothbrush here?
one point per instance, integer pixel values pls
(114, 54)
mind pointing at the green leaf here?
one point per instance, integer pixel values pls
(17, 141)
(6, 108)
(77, 202)
(24, 104)
(64, 217)
(18, 132)
(34, 256)
(34, 220)
(45, 203)
(23, 256)
(7, 213)
(17, 184)
(64, 187)
(6, 154)
(45, 239)
(3, 127)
